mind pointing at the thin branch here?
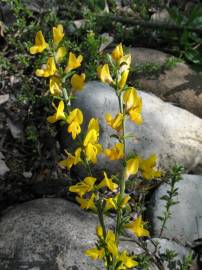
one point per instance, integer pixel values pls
(148, 24)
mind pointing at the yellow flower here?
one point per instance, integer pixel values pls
(75, 119)
(48, 70)
(104, 74)
(116, 123)
(125, 201)
(87, 203)
(126, 261)
(94, 124)
(58, 34)
(147, 167)
(75, 115)
(110, 203)
(99, 231)
(117, 53)
(78, 81)
(84, 186)
(59, 115)
(95, 253)
(111, 243)
(125, 62)
(107, 182)
(131, 167)
(92, 148)
(130, 97)
(116, 152)
(91, 152)
(40, 44)
(55, 86)
(60, 54)
(135, 112)
(74, 128)
(73, 62)
(91, 137)
(123, 79)
(137, 227)
(71, 159)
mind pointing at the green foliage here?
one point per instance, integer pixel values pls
(90, 48)
(172, 62)
(4, 63)
(31, 133)
(190, 43)
(170, 257)
(171, 193)
(148, 68)
(173, 263)
(144, 262)
(95, 5)
(186, 262)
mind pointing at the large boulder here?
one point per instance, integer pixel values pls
(174, 134)
(49, 234)
(185, 224)
(178, 84)
(52, 234)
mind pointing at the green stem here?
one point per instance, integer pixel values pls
(101, 220)
(122, 182)
(65, 95)
(101, 217)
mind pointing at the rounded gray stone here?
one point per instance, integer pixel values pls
(172, 133)
(185, 224)
(49, 234)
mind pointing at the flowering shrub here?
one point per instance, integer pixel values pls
(108, 193)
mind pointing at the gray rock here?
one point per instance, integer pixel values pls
(179, 84)
(4, 98)
(174, 134)
(49, 234)
(3, 167)
(161, 16)
(185, 224)
(159, 246)
(141, 56)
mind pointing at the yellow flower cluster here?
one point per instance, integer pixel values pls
(74, 119)
(104, 194)
(88, 191)
(52, 67)
(107, 244)
(147, 167)
(137, 227)
(120, 60)
(133, 105)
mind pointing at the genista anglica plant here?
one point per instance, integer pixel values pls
(108, 193)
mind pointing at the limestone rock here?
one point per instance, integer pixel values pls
(185, 223)
(49, 234)
(180, 84)
(174, 134)
(159, 246)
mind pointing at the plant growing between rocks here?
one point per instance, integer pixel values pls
(108, 193)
